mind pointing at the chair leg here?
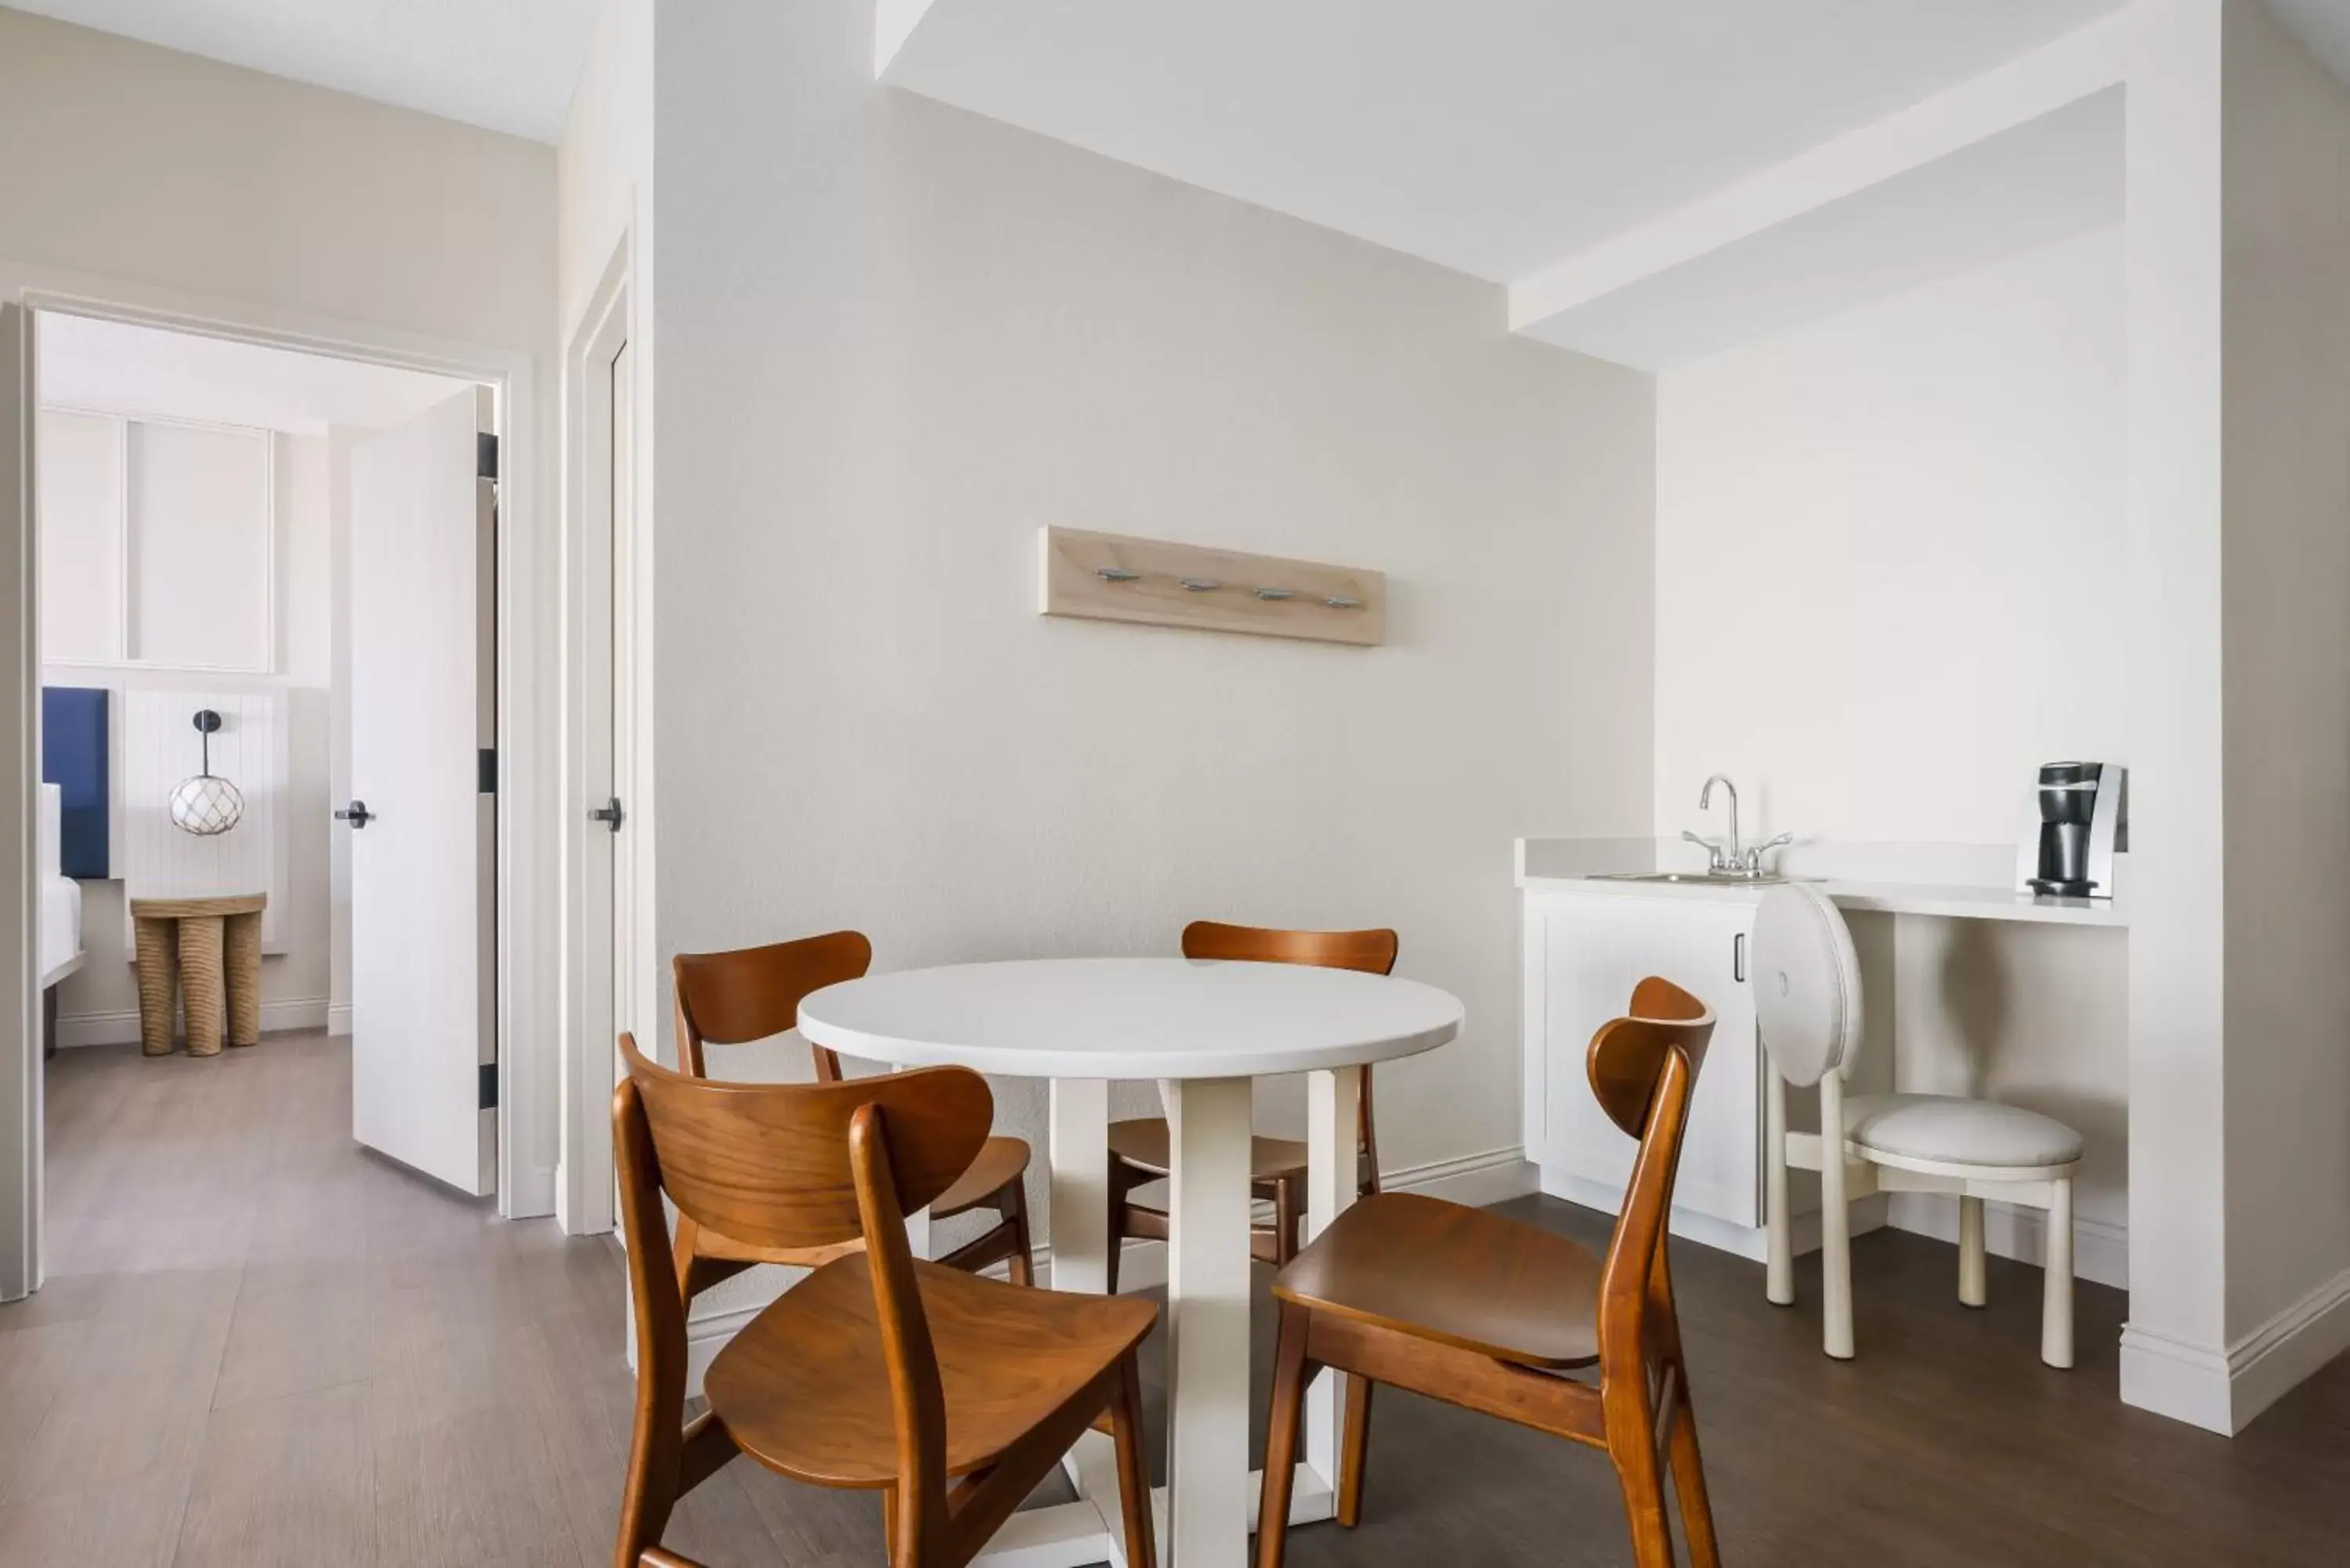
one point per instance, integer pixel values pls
(1133, 1465)
(1118, 1188)
(1638, 1473)
(1290, 1374)
(1288, 1207)
(1689, 1481)
(1836, 1224)
(1778, 1226)
(2056, 1306)
(1012, 1203)
(1354, 1450)
(1973, 1287)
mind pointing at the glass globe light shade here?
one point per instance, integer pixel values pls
(206, 804)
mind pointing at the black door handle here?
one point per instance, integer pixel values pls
(357, 814)
(609, 813)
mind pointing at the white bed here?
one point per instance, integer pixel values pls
(60, 952)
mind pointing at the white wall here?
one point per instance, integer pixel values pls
(1889, 558)
(1876, 538)
(127, 161)
(2286, 576)
(894, 338)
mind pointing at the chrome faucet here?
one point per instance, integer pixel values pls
(1726, 856)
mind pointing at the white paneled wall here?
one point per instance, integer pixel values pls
(161, 747)
(157, 542)
(79, 467)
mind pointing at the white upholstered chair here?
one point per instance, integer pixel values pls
(1808, 1004)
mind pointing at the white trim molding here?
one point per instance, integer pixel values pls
(1495, 1176)
(1740, 1240)
(2224, 1391)
(121, 1028)
(2100, 1247)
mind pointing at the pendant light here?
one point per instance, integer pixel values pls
(205, 803)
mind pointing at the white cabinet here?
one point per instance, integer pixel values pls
(1584, 953)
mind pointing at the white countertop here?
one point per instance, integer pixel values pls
(1886, 898)
(1578, 866)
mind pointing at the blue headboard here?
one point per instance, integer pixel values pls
(73, 757)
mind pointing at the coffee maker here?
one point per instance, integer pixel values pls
(2079, 822)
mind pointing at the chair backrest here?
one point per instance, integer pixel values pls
(1372, 952)
(795, 1165)
(1807, 1001)
(768, 1164)
(755, 993)
(1643, 1069)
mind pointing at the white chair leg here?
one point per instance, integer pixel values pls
(1779, 1265)
(1971, 1270)
(1835, 1225)
(2056, 1309)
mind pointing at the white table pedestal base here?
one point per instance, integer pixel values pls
(1077, 1534)
(1205, 1517)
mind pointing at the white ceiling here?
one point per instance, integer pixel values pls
(504, 65)
(1495, 137)
(86, 363)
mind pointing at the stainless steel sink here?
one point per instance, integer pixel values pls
(1694, 878)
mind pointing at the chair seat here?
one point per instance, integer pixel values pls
(803, 1387)
(1002, 1161)
(1144, 1143)
(1953, 1130)
(1458, 1275)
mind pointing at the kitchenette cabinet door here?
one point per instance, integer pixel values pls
(1583, 956)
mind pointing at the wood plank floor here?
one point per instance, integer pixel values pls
(259, 1345)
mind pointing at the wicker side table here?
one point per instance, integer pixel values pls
(209, 949)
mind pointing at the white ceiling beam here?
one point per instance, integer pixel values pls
(2084, 63)
(894, 22)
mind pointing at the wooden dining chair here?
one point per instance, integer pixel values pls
(1139, 1152)
(1483, 1312)
(951, 1394)
(753, 993)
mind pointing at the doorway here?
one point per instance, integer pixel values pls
(608, 953)
(309, 989)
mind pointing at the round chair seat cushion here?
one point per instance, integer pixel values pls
(1958, 1131)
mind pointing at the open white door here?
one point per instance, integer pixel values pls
(422, 817)
(20, 1034)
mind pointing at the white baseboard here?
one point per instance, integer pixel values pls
(122, 1028)
(338, 1018)
(2100, 1247)
(1494, 1177)
(2224, 1391)
(1721, 1235)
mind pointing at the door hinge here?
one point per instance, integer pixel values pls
(488, 1096)
(486, 771)
(485, 455)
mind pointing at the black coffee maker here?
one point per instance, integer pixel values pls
(2081, 827)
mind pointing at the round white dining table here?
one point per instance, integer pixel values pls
(1203, 1029)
